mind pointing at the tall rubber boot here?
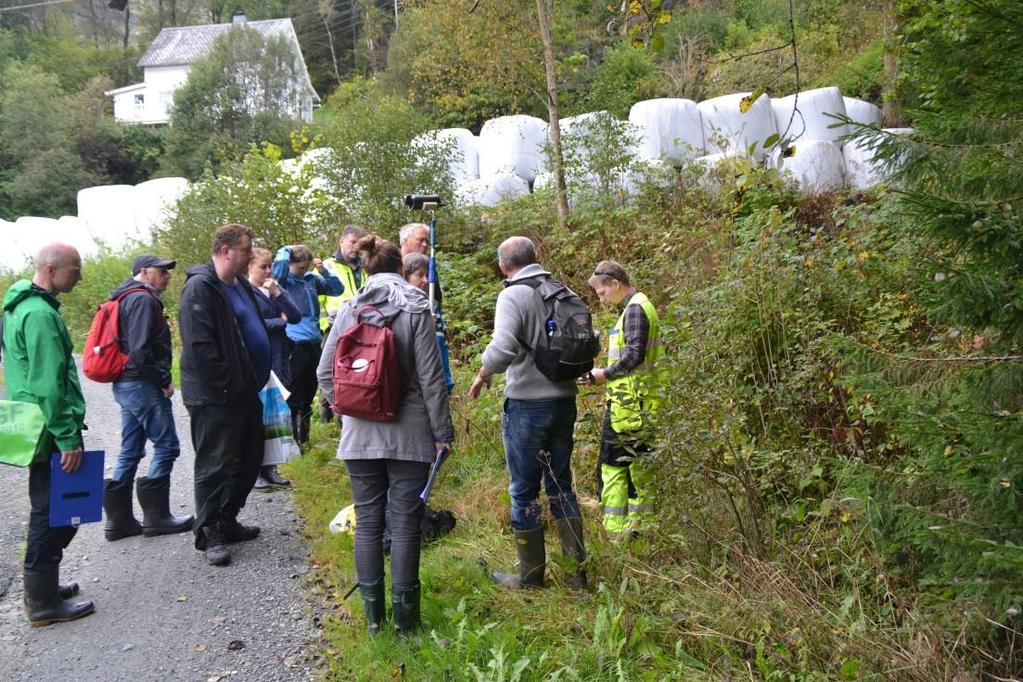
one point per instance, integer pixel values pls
(121, 521)
(375, 606)
(532, 558)
(154, 498)
(570, 531)
(43, 604)
(405, 608)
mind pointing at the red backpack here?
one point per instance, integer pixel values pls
(102, 358)
(366, 380)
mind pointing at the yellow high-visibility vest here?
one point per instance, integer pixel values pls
(329, 305)
(634, 398)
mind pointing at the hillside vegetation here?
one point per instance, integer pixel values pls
(841, 464)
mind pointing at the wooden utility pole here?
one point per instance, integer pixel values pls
(543, 15)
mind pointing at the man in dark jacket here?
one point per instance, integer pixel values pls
(225, 361)
(40, 370)
(143, 390)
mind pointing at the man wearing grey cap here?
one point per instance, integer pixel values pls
(143, 390)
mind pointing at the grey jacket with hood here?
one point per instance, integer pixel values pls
(424, 416)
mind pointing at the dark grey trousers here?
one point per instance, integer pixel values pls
(387, 489)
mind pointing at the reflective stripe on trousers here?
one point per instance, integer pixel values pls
(620, 512)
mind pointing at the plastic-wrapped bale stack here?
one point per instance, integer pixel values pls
(861, 169)
(809, 115)
(670, 129)
(108, 212)
(489, 191)
(863, 112)
(154, 200)
(512, 144)
(463, 157)
(727, 129)
(74, 232)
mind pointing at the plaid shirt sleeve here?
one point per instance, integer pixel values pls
(637, 332)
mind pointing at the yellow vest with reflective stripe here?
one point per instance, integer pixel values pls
(329, 305)
(634, 397)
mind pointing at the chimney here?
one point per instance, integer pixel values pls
(239, 18)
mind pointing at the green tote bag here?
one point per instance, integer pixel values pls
(21, 424)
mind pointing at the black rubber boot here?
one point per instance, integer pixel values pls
(154, 498)
(405, 608)
(236, 532)
(570, 531)
(43, 604)
(375, 606)
(270, 474)
(121, 521)
(532, 557)
(67, 591)
(216, 546)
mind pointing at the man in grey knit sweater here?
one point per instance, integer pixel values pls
(538, 424)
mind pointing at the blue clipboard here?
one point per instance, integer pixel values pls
(76, 498)
(425, 495)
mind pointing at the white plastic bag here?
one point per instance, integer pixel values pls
(279, 444)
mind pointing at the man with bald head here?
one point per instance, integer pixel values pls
(39, 369)
(539, 420)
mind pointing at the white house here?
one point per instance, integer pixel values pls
(167, 61)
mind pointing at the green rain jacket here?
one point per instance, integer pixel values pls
(38, 365)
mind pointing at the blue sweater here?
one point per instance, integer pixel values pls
(305, 292)
(271, 309)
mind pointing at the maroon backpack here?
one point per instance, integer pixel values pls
(367, 384)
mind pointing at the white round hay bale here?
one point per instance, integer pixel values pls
(817, 166)
(108, 212)
(13, 257)
(512, 144)
(718, 167)
(669, 128)
(863, 112)
(727, 129)
(74, 232)
(154, 200)
(34, 233)
(463, 157)
(811, 120)
(491, 190)
(862, 170)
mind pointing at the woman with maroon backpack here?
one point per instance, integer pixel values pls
(389, 461)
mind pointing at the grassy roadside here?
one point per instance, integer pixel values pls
(473, 630)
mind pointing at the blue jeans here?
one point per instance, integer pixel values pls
(145, 414)
(538, 448)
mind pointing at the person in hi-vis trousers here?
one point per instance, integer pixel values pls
(634, 347)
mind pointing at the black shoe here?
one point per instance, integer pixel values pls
(262, 485)
(270, 474)
(120, 521)
(43, 605)
(216, 547)
(236, 532)
(154, 498)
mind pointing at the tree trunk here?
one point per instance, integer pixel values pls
(890, 92)
(560, 194)
(127, 26)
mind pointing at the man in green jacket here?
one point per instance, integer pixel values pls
(39, 369)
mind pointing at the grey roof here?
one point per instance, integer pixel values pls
(184, 44)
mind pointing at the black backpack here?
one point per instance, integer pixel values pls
(570, 344)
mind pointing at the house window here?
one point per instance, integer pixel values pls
(140, 102)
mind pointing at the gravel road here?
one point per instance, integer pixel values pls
(162, 613)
